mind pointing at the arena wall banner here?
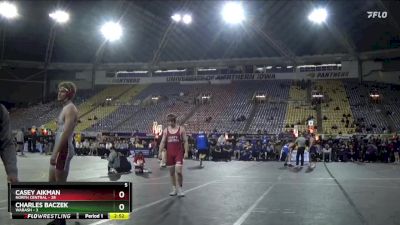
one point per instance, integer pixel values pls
(317, 75)
(90, 133)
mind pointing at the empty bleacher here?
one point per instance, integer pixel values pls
(131, 108)
(45, 114)
(174, 98)
(368, 116)
(298, 110)
(120, 95)
(337, 109)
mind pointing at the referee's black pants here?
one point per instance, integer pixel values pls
(300, 153)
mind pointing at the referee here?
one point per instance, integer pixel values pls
(301, 146)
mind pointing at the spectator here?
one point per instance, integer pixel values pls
(86, 147)
(221, 141)
(93, 147)
(396, 150)
(78, 148)
(256, 150)
(246, 154)
(227, 151)
(327, 153)
(20, 141)
(239, 148)
(270, 151)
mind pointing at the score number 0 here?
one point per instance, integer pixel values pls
(121, 194)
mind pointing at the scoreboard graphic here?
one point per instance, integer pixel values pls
(72, 200)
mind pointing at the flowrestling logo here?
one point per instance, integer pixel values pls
(377, 14)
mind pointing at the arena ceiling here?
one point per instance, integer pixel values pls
(270, 26)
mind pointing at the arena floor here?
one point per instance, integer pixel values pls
(248, 193)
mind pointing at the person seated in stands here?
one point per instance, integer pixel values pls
(264, 144)
(121, 147)
(350, 154)
(327, 153)
(384, 151)
(86, 147)
(217, 149)
(362, 151)
(93, 148)
(101, 149)
(357, 151)
(325, 118)
(246, 154)
(335, 150)
(318, 148)
(341, 153)
(239, 148)
(371, 152)
(337, 108)
(145, 144)
(139, 162)
(126, 147)
(116, 145)
(109, 146)
(78, 148)
(287, 125)
(271, 155)
(221, 141)
(342, 120)
(263, 153)
(138, 144)
(213, 144)
(215, 152)
(256, 150)
(227, 151)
